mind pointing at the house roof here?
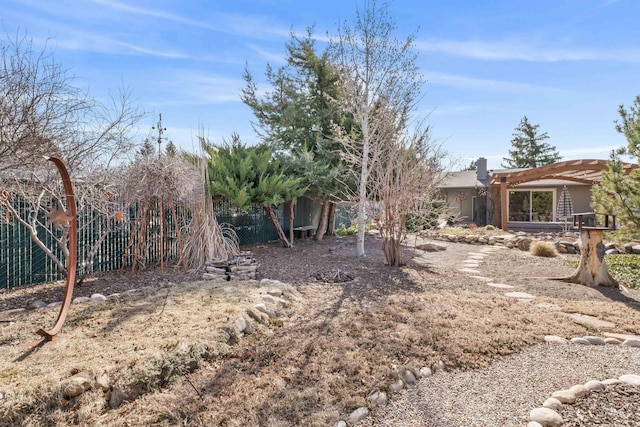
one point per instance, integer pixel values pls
(577, 172)
(462, 179)
(586, 171)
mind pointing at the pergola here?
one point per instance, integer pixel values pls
(581, 171)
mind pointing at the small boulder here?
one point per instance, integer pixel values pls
(552, 403)
(36, 304)
(98, 298)
(631, 342)
(581, 341)
(564, 396)
(594, 385)
(425, 371)
(554, 339)
(76, 385)
(580, 391)
(79, 300)
(396, 386)
(546, 417)
(594, 340)
(378, 398)
(358, 415)
(630, 379)
(613, 341)
(408, 377)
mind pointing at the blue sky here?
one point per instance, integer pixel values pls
(566, 65)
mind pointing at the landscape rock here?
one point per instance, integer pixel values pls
(546, 417)
(580, 391)
(98, 298)
(340, 423)
(631, 342)
(554, 339)
(564, 396)
(594, 340)
(594, 385)
(79, 300)
(103, 382)
(425, 371)
(613, 341)
(54, 304)
(534, 424)
(239, 324)
(630, 379)
(36, 304)
(578, 340)
(431, 247)
(249, 329)
(268, 298)
(258, 316)
(358, 415)
(552, 403)
(408, 377)
(76, 385)
(611, 381)
(439, 366)
(378, 398)
(275, 292)
(396, 386)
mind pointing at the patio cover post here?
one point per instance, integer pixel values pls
(503, 204)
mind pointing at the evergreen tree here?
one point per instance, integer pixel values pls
(246, 175)
(171, 150)
(296, 117)
(618, 193)
(529, 150)
(147, 148)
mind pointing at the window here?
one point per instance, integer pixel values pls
(531, 206)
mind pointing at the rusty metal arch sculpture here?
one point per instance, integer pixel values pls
(73, 251)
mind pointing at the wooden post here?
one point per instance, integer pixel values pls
(504, 200)
(592, 270)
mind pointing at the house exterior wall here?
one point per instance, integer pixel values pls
(460, 202)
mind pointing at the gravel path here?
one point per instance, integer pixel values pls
(505, 393)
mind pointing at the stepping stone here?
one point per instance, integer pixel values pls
(519, 295)
(476, 257)
(480, 254)
(486, 279)
(469, 270)
(621, 337)
(470, 264)
(586, 320)
(500, 285)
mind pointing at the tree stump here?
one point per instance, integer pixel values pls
(592, 270)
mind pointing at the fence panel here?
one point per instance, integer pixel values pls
(22, 262)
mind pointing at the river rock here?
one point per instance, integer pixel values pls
(564, 396)
(546, 417)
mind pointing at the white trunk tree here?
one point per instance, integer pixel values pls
(378, 72)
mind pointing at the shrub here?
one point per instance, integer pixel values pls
(344, 231)
(544, 249)
(489, 227)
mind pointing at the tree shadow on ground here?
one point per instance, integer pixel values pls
(618, 295)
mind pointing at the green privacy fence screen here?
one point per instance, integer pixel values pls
(104, 244)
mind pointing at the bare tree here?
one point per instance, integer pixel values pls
(404, 185)
(43, 112)
(381, 85)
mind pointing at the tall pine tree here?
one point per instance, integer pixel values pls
(618, 193)
(529, 150)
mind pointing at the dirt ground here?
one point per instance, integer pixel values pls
(319, 359)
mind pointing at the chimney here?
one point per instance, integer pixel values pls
(481, 170)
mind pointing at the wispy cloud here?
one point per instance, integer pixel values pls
(153, 13)
(524, 51)
(464, 82)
